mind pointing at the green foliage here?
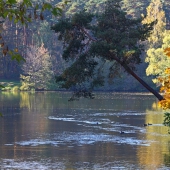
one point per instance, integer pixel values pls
(91, 41)
(167, 119)
(18, 10)
(16, 56)
(1, 86)
(81, 71)
(95, 6)
(7, 89)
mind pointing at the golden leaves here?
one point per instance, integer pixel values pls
(167, 71)
(162, 89)
(165, 104)
(167, 51)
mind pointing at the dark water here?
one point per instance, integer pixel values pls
(44, 131)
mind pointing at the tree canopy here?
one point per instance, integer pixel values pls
(157, 59)
(94, 42)
(23, 11)
(155, 12)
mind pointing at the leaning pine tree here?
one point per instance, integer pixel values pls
(92, 41)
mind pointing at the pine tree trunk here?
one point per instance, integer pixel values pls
(141, 81)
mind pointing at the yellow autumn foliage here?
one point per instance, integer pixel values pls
(165, 104)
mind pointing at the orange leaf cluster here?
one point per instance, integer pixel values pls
(165, 104)
(167, 51)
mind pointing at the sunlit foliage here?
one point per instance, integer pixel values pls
(155, 12)
(37, 70)
(157, 59)
(165, 88)
(165, 85)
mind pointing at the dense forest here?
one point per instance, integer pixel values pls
(40, 47)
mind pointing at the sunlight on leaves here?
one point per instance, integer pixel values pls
(165, 88)
(167, 51)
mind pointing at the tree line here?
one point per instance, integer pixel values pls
(42, 50)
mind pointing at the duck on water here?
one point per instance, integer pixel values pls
(147, 124)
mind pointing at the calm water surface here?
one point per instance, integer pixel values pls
(44, 131)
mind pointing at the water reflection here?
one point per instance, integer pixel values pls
(167, 156)
(44, 131)
(153, 156)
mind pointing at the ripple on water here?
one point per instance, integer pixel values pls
(111, 126)
(45, 164)
(60, 118)
(126, 113)
(70, 138)
(36, 142)
(93, 122)
(11, 164)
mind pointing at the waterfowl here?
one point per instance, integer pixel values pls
(121, 132)
(145, 124)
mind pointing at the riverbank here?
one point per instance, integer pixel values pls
(8, 85)
(13, 85)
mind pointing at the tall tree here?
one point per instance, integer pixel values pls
(37, 69)
(158, 40)
(155, 12)
(157, 59)
(112, 40)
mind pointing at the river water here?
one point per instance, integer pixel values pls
(45, 131)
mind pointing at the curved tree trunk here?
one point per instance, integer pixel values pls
(142, 82)
(154, 92)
